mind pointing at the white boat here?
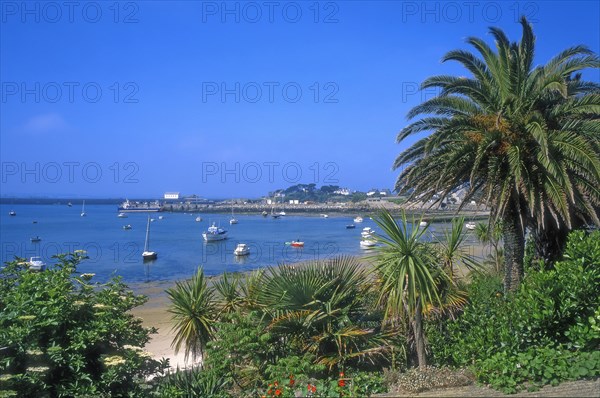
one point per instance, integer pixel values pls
(148, 254)
(160, 217)
(282, 213)
(128, 226)
(233, 220)
(367, 232)
(324, 215)
(423, 224)
(242, 249)
(367, 244)
(273, 214)
(12, 213)
(470, 225)
(83, 209)
(358, 219)
(69, 204)
(198, 219)
(35, 239)
(213, 233)
(264, 214)
(36, 264)
(122, 215)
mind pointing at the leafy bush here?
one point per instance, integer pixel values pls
(537, 336)
(63, 335)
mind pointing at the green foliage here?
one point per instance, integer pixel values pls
(537, 366)
(192, 383)
(540, 334)
(63, 335)
(193, 309)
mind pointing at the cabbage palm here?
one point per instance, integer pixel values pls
(407, 268)
(523, 138)
(194, 312)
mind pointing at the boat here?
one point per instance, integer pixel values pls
(35, 239)
(12, 213)
(83, 209)
(423, 224)
(282, 213)
(213, 233)
(470, 225)
(242, 249)
(160, 217)
(122, 215)
(233, 220)
(36, 264)
(69, 204)
(297, 243)
(128, 226)
(358, 219)
(139, 207)
(148, 254)
(367, 244)
(198, 219)
(367, 232)
(350, 226)
(273, 214)
(264, 214)
(324, 215)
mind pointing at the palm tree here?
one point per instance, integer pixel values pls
(451, 248)
(320, 308)
(406, 266)
(525, 139)
(194, 312)
(490, 235)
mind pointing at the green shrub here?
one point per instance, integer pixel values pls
(539, 334)
(63, 335)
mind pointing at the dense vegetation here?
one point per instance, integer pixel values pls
(61, 335)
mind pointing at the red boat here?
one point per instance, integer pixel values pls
(297, 244)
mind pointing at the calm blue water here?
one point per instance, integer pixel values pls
(177, 238)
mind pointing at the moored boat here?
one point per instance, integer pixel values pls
(297, 243)
(138, 207)
(12, 213)
(350, 226)
(358, 219)
(367, 244)
(214, 233)
(147, 254)
(35, 239)
(470, 225)
(242, 249)
(36, 264)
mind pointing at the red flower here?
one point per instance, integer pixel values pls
(342, 383)
(278, 392)
(341, 374)
(276, 383)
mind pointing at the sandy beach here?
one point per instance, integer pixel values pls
(155, 313)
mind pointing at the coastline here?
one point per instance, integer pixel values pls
(154, 313)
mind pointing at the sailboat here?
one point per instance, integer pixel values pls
(233, 220)
(147, 254)
(83, 209)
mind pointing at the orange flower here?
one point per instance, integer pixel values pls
(341, 374)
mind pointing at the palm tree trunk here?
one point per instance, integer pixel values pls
(514, 250)
(417, 325)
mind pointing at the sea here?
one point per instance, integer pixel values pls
(176, 237)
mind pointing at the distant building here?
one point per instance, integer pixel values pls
(171, 196)
(294, 201)
(342, 191)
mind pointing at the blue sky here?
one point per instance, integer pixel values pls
(132, 99)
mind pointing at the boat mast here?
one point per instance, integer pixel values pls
(146, 246)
